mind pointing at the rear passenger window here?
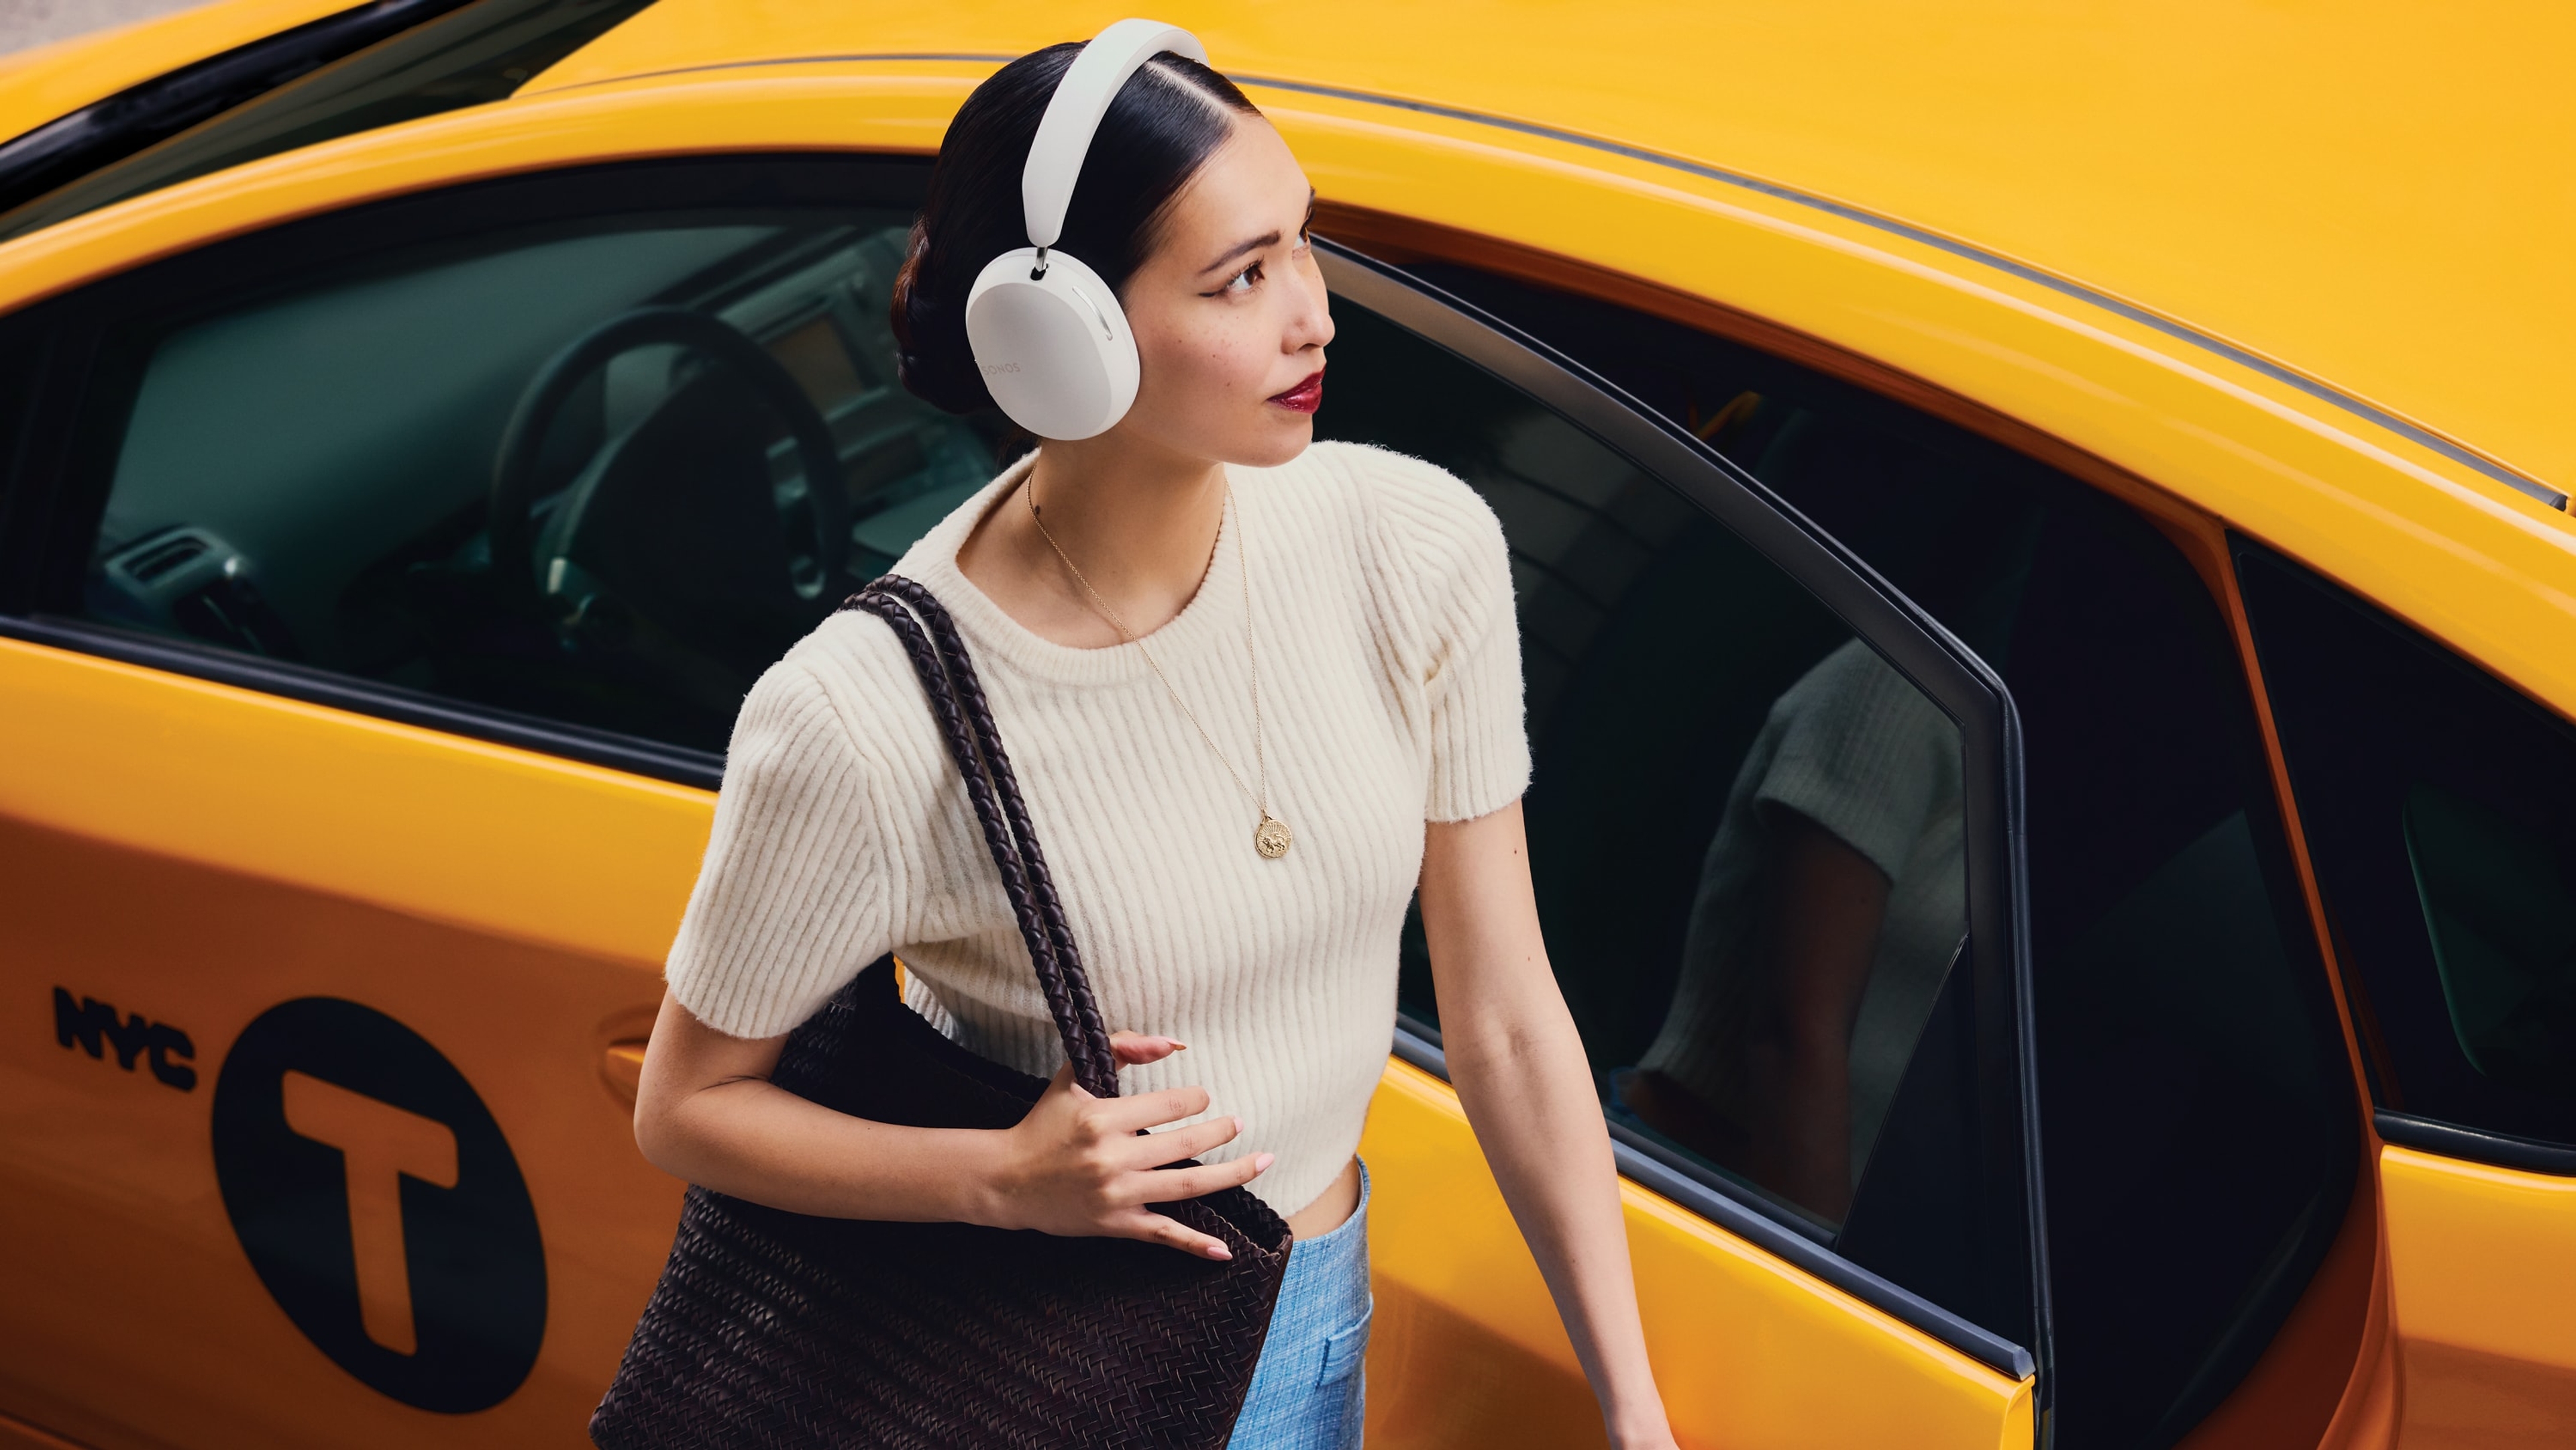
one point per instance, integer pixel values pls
(2195, 1096)
(2440, 809)
(1748, 836)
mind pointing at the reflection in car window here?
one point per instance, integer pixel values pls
(2442, 821)
(1830, 905)
(312, 476)
(2195, 1094)
(1745, 825)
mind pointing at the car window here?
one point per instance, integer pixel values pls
(2440, 808)
(2195, 1095)
(1747, 827)
(599, 472)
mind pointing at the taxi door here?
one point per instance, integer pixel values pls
(2440, 808)
(1709, 682)
(1800, 639)
(339, 858)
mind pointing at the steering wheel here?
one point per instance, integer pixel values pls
(514, 470)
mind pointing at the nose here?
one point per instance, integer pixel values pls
(1310, 319)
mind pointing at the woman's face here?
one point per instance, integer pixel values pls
(1229, 310)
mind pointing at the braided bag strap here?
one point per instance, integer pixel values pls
(969, 688)
(979, 714)
(965, 719)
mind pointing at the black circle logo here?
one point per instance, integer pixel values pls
(379, 1203)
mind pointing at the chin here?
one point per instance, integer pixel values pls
(1280, 444)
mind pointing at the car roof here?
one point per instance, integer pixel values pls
(2376, 197)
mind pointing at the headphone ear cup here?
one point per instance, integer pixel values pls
(1055, 349)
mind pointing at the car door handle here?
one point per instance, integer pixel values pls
(622, 1067)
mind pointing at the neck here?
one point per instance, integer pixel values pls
(1141, 516)
(1138, 520)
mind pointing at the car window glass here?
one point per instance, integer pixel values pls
(2195, 1096)
(1745, 825)
(313, 475)
(2441, 818)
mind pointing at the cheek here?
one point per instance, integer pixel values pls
(1207, 360)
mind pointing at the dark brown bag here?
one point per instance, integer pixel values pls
(776, 1329)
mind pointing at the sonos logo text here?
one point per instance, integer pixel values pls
(380, 1205)
(996, 369)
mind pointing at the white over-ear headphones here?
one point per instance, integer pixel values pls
(1046, 330)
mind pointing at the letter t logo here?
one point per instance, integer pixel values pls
(379, 1145)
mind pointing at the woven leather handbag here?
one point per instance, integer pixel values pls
(775, 1329)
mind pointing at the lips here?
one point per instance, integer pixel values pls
(1306, 397)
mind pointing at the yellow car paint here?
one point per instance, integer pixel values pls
(2485, 1272)
(198, 853)
(529, 846)
(1747, 1350)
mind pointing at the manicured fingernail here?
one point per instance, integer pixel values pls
(1219, 1251)
(1262, 1163)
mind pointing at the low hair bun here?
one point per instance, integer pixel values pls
(932, 358)
(1160, 128)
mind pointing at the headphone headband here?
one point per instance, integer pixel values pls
(1073, 115)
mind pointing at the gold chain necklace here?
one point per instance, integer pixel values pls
(1271, 838)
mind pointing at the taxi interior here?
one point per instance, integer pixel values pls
(674, 534)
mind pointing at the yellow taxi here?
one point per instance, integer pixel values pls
(419, 422)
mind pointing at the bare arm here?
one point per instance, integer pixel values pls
(1522, 1076)
(706, 1111)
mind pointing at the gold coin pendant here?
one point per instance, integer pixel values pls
(1272, 838)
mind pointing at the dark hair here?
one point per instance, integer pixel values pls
(1160, 129)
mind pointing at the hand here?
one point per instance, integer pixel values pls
(1076, 1165)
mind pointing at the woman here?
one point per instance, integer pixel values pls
(1256, 692)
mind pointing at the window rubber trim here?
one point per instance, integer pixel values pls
(1921, 649)
(633, 754)
(2450, 1140)
(106, 131)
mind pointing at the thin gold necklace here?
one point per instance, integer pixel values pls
(1271, 838)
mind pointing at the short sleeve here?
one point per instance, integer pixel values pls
(792, 900)
(1480, 757)
(1864, 754)
(1446, 574)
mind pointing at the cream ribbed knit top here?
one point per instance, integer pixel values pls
(1391, 696)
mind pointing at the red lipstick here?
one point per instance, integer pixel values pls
(1306, 397)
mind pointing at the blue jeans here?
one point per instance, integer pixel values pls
(1309, 1388)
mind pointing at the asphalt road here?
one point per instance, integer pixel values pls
(34, 22)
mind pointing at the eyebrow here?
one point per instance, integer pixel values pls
(1266, 239)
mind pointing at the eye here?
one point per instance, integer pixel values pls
(1238, 284)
